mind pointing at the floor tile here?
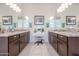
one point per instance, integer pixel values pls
(41, 50)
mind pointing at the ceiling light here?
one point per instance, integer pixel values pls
(66, 5)
(52, 17)
(26, 17)
(14, 7)
(59, 10)
(63, 6)
(17, 9)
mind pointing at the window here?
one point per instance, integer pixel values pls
(20, 23)
(55, 24)
(24, 24)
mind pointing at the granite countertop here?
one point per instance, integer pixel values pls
(67, 33)
(7, 34)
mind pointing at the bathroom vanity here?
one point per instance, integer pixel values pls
(12, 43)
(65, 43)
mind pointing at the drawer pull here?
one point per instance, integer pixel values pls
(15, 36)
(61, 36)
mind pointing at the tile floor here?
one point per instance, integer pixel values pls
(41, 50)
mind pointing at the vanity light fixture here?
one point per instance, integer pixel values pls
(63, 6)
(52, 17)
(26, 17)
(15, 7)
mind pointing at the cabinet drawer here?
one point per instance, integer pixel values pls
(22, 34)
(12, 38)
(62, 37)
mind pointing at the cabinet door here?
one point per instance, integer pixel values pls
(28, 37)
(22, 43)
(62, 48)
(55, 43)
(14, 48)
(73, 46)
(49, 37)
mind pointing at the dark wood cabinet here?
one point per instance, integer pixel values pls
(27, 37)
(64, 45)
(59, 43)
(54, 40)
(50, 37)
(22, 41)
(73, 46)
(13, 45)
(17, 43)
(63, 38)
(55, 43)
(14, 48)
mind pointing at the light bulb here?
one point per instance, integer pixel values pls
(52, 17)
(26, 17)
(14, 7)
(63, 6)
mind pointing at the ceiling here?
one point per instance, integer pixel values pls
(39, 8)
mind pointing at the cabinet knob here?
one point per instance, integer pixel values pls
(14, 36)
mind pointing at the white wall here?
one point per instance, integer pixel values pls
(73, 10)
